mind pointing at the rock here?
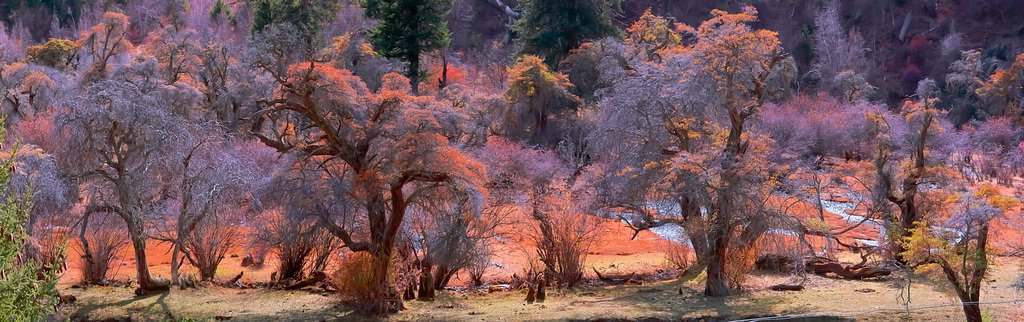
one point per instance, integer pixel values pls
(865, 290)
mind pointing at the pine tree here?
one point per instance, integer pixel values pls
(307, 16)
(408, 29)
(552, 28)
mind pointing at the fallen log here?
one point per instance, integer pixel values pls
(855, 272)
(235, 279)
(787, 287)
(314, 278)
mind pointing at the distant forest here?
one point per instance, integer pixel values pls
(903, 41)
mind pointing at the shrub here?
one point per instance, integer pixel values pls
(301, 245)
(208, 243)
(563, 236)
(61, 54)
(28, 287)
(354, 276)
(678, 255)
(477, 268)
(739, 262)
(105, 240)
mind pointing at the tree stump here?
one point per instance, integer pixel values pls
(541, 294)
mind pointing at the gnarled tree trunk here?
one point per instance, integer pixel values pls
(138, 236)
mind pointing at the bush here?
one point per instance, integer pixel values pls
(354, 276)
(301, 245)
(61, 54)
(477, 268)
(563, 236)
(208, 243)
(105, 240)
(740, 261)
(678, 255)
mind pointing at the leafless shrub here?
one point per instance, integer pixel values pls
(477, 268)
(301, 245)
(563, 235)
(208, 244)
(678, 255)
(105, 240)
(740, 261)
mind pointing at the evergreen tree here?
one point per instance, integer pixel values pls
(552, 28)
(28, 289)
(306, 15)
(66, 11)
(408, 29)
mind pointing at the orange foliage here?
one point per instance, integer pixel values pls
(105, 40)
(1005, 90)
(727, 44)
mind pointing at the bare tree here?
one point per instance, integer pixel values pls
(122, 137)
(837, 50)
(216, 176)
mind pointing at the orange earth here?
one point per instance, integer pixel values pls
(613, 251)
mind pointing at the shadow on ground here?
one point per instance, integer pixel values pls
(670, 302)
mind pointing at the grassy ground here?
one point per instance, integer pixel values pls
(844, 300)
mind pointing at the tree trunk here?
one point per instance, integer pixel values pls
(426, 282)
(697, 235)
(87, 252)
(414, 72)
(720, 230)
(146, 281)
(718, 239)
(384, 298)
(441, 276)
(716, 284)
(972, 312)
(175, 263)
(908, 215)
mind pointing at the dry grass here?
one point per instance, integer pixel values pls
(657, 300)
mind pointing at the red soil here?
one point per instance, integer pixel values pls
(613, 251)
